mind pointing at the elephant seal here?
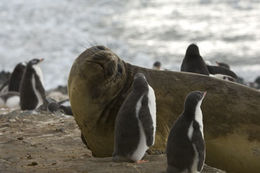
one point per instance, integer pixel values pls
(99, 81)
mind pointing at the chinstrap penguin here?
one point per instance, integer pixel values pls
(185, 146)
(135, 124)
(32, 93)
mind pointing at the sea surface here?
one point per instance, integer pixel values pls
(139, 31)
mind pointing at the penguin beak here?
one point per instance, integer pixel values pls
(204, 94)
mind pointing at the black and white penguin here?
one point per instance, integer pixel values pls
(62, 106)
(222, 64)
(16, 77)
(186, 147)
(135, 124)
(222, 73)
(32, 93)
(157, 65)
(4, 87)
(193, 62)
(10, 100)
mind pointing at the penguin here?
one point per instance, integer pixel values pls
(16, 77)
(193, 62)
(257, 82)
(4, 80)
(219, 70)
(186, 146)
(135, 124)
(222, 64)
(32, 93)
(157, 65)
(62, 106)
(13, 82)
(10, 100)
(4, 87)
(224, 77)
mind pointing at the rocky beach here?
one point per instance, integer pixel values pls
(42, 142)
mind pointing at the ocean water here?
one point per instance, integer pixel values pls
(139, 31)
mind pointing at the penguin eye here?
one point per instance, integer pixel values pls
(119, 69)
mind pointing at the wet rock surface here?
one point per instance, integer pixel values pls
(43, 142)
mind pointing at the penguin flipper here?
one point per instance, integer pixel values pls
(39, 85)
(147, 122)
(221, 70)
(197, 139)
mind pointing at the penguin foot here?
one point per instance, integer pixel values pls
(141, 161)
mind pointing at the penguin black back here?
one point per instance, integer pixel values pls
(138, 114)
(185, 146)
(32, 93)
(224, 65)
(16, 77)
(125, 147)
(221, 70)
(193, 62)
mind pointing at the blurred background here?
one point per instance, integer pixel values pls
(139, 31)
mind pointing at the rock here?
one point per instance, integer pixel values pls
(99, 82)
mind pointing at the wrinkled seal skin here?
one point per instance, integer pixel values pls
(97, 88)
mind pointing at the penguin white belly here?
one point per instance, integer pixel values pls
(190, 131)
(4, 90)
(221, 76)
(152, 108)
(195, 162)
(142, 147)
(38, 95)
(199, 118)
(194, 167)
(39, 73)
(67, 103)
(13, 102)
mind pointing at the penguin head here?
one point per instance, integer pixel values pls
(19, 68)
(140, 82)
(157, 65)
(192, 50)
(35, 61)
(193, 100)
(222, 64)
(21, 65)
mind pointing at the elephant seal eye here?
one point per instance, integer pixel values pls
(119, 69)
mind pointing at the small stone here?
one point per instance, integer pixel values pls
(33, 164)
(20, 138)
(28, 156)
